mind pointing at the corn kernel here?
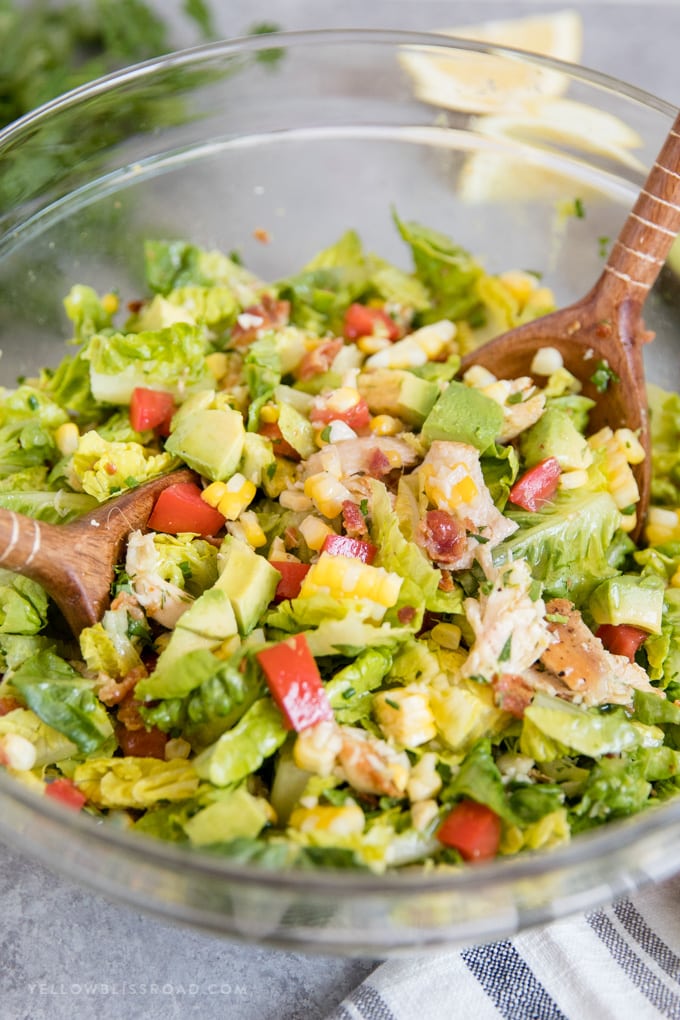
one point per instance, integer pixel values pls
(315, 531)
(404, 715)
(342, 399)
(345, 820)
(675, 579)
(238, 494)
(373, 344)
(546, 361)
(327, 493)
(498, 391)
(217, 364)
(424, 780)
(620, 478)
(632, 447)
(269, 413)
(347, 577)
(663, 525)
(628, 522)
(16, 752)
(422, 813)
(66, 438)
(294, 499)
(253, 533)
(521, 285)
(386, 425)
(573, 479)
(110, 303)
(447, 635)
(178, 747)
(479, 377)
(213, 493)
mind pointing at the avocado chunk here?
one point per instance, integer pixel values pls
(630, 599)
(205, 625)
(248, 580)
(555, 435)
(209, 440)
(238, 814)
(297, 430)
(399, 393)
(464, 415)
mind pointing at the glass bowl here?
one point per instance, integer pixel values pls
(525, 161)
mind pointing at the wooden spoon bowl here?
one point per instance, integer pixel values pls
(606, 325)
(75, 562)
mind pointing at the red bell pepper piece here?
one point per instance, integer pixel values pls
(621, 638)
(180, 508)
(292, 576)
(293, 679)
(473, 829)
(341, 545)
(537, 485)
(151, 409)
(66, 792)
(363, 321)
(357, 416)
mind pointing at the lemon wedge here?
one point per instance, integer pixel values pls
(487, 83)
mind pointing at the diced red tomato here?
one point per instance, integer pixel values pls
(361, 320)
(621, 638)
(341, 545)
(151, 409)
(292, 576)
(66, 792)
(473, 829)
(280, 446)
(357, 416)
(180, 508)
(537, 485)
(142, 743)
(293, 679)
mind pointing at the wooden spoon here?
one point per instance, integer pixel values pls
(75, 562)
(606, 325)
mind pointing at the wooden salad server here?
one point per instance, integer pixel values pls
(606, 325)
(75, 562)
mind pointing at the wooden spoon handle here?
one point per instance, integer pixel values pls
(646, 237)
(21, 543)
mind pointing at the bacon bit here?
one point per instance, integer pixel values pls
(262, 235)
(8, 704)
(379, 464)
(353, 520)
(442, 536)
(128, 713)
(445, 581)
(320, 359)
(406, 614)
(512, 694)
(272, 313)
(135, 306)
(113, 691)
(142, 743)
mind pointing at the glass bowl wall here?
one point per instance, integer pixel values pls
(296, 138)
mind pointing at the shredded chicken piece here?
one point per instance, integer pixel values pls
(583, 667)
(477, 513)
(366, 455)
(526, 412)
(163, 601)
(510, 629)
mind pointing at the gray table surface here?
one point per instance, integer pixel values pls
(69, 953)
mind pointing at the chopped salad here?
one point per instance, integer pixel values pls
(397, 619)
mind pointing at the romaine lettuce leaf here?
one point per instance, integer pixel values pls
(56, 507)
(664, 418)
(172, 359)
(242, 750)
(23, 604)
(50, 744)
(566, 543)
(349, 691)
(108, 647)
(132, 463)
(663, 650)
(615, 787)
(86, 311)
(172, 264)
(63, 699)
(480, 779)
(135, 782)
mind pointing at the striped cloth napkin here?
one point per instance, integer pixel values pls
(616, 963)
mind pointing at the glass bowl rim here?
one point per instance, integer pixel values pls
(615, 836)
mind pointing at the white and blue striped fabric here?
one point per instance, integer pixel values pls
(616, 963)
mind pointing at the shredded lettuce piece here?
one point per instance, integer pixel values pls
(105, 468)
(135, 782)
(23, 604)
